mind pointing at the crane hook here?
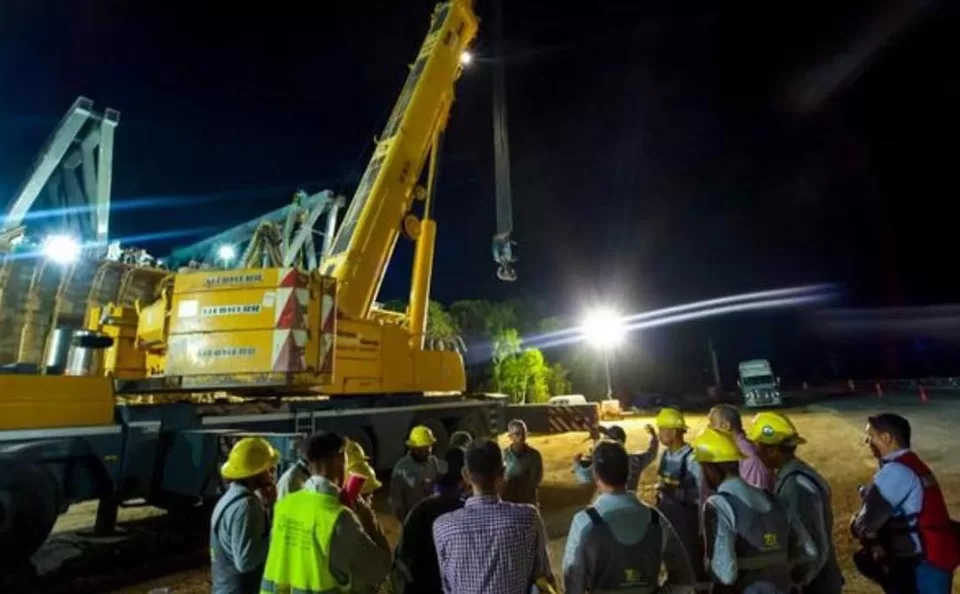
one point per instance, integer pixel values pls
(503, 255)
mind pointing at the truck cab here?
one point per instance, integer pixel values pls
(758, 386)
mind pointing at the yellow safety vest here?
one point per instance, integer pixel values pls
(299, 557)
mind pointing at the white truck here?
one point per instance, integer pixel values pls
(758, 385)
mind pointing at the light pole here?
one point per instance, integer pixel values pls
(604, 329)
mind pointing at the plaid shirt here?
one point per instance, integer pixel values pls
(491, 546)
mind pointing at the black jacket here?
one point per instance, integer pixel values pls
(415, 566)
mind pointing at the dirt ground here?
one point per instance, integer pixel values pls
(835, 448)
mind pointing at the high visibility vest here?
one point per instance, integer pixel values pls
(761, 547)
(938, 534)
(676, 480)
(614, 567)
(299, 558)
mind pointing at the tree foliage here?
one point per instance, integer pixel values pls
(524, 377)
(507, 343)
(496, 355)
(481, 319)
(558, 380)
(440, 323)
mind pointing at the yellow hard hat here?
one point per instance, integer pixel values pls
(713, 446)
(363, 468)
(353, 451)
(670, 418)
(421, 437)
(249, 457)
(774, 428)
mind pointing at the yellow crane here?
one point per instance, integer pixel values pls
(300, 350)
(267, 329)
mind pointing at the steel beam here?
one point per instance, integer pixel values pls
(47, 161)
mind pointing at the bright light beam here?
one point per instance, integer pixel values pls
(705, 304)
(677, 318)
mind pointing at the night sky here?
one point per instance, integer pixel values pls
(661, 152)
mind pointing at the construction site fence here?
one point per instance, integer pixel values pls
(860, 386)
(553, 418)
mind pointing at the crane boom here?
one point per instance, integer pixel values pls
(368, 233)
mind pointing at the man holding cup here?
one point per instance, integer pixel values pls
(317, 542)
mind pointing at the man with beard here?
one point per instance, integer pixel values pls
(414, 475)
(240, 525)
(802, 491)
(909, 543)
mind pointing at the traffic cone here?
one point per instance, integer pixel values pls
(923, 394)
(879, 391)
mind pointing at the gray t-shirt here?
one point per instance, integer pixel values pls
(243, 532)
(411, 481)
(292, 480)
(524, 473)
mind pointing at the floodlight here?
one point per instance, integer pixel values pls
(62, 249)
(604, 328)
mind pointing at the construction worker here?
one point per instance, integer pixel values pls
(317, 543)
(909, 543)
(293, 478)
(582, 468)
(751, 543)
(802, 491)
(240, 525)
(524, 466)
(619, 543)
(357, 465)
(357, 462)
(678, 479)
(414, 475)
(726, 417)
(415, 569)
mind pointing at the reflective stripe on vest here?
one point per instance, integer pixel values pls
(761, 541)
(271, 588)
(937, 532)
(680, 484)
(621, 568)
(299, 558)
